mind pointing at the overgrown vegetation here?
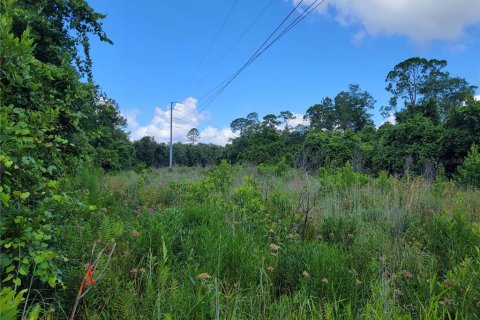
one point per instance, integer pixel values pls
(372, 223)
(233, 242)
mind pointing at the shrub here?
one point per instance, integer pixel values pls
(246, 206)
(341, 178)
(468, 173)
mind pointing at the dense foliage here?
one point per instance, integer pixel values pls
(420, 142)
(50, 122)
(269, 242)
(324, 241)
(152, 154)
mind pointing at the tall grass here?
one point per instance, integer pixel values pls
(366, 248)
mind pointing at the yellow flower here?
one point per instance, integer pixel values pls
(305, 274)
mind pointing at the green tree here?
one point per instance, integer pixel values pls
(112, 149)
(286, 116)
(322, 115)
(252, 122)
(351, 108)
(330, 148)
(60, 28)
(193, 135)
(428, 109)
(461, 130)
(409, 146)
(44, 106)
(418, 80)
(239, 125)
(468, 173)
(145, 151)
(409, 78)
(246, 125)
(271, 121)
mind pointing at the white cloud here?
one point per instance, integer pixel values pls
(131, 117)
(216, 136)
(420, 20)
(185, 117)
(298, 120)
(477, 98)
(392, 119)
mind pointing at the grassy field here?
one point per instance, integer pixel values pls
(271, 243)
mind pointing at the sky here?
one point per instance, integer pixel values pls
(179, 50)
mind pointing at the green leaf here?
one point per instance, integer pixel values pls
(8, 278)
(35, 312)
(38, 235)
(58, 198)
(24, 195)
(38, 259)
(4, 197)
(8, 163)
(52, 183)
(52, 281)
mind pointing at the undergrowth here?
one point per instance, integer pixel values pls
(237, 243)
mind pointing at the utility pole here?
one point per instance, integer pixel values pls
(171, 130)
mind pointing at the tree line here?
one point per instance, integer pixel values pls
(52, 108)
(437, 120)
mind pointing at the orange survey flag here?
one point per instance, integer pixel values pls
(87, 279)
(88, 276)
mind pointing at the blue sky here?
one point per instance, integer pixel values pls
(160, 54)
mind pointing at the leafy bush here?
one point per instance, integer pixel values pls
(247, 208)
(341, 178)
(9, 302)
(220, 178)
(469, 172)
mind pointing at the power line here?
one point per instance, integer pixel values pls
(211, 45)
(237, 41)
(186, 121)
(181, 128)
(259, 48)
(217, 91)
(213, 94)
(285, 31)
(181, 120)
